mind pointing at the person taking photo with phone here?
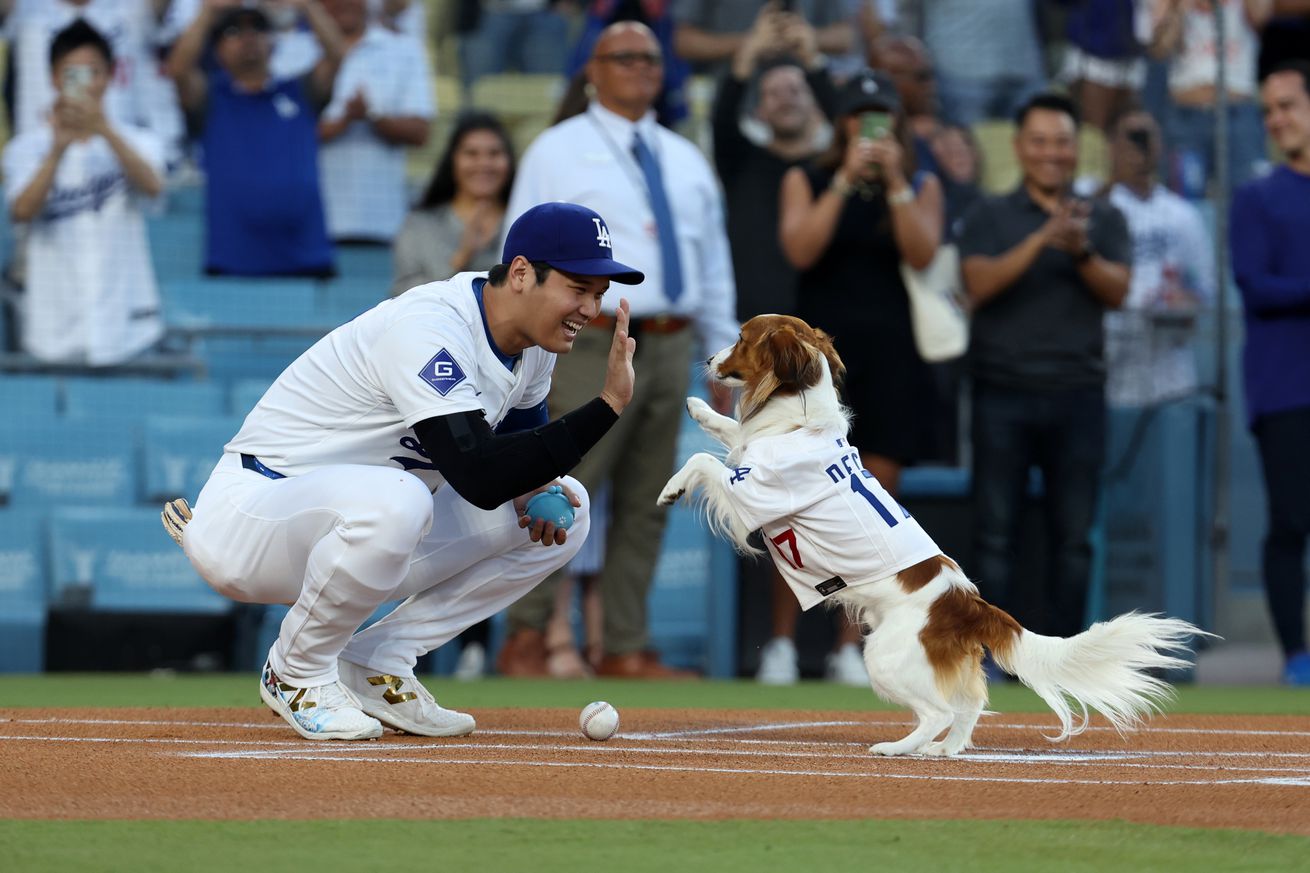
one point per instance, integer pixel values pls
(77, 180)
(847, 222)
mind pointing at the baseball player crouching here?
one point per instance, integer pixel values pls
(330, 496)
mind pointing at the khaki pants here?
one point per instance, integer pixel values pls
(637, 457)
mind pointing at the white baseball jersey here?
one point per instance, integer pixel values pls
(828, 522)
(91, 293)
(354, 395)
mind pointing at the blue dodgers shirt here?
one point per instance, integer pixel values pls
(263, 209)
(1271, 262)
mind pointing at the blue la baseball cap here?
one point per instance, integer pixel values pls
(569, 237)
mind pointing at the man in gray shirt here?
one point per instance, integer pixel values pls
(1040, 268)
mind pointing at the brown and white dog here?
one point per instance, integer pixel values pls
(840, 537)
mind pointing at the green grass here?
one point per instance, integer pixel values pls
(183, 690)
(638, 846)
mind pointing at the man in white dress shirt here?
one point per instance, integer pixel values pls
(1149, 356)
(664, 209)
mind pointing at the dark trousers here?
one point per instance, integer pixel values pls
(1283, 438)
(1063, 435)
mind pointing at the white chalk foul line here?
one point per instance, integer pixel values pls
(737, 771)
(295, 750)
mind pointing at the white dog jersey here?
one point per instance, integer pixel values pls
(829, 523)
(354, 395)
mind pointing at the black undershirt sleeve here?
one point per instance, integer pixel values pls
(488, 469)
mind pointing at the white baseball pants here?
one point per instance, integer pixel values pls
(338, 542)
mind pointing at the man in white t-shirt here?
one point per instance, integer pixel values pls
(76, 179)
(381, 104)
(1149, 357)
(330, 496)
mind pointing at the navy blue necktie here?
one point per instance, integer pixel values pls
(664, 226)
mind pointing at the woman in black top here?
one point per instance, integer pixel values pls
(847, 223)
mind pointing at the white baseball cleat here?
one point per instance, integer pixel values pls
(322, 712)
(402, 703)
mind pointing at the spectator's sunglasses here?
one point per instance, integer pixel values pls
(628, 60)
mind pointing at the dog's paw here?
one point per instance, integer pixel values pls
(935, 750)
(670, 494)
(888, 749)
(699, 410)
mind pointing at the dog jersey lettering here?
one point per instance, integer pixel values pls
(353, 397)
(830, 523)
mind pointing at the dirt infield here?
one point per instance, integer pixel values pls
(1203, 771)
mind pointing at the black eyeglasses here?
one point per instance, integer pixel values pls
(628, 60)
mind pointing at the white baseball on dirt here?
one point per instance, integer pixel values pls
(599, 721)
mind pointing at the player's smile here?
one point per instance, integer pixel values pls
(572, 326)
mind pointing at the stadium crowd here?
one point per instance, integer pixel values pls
(838, 171)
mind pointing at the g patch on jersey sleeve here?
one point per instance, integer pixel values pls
(442, 372)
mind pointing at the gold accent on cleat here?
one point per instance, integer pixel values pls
(393, 694)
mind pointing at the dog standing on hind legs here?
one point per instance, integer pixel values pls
(837, 534)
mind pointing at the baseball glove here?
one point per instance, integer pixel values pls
(175, 516)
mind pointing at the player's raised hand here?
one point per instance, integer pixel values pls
(619, 377)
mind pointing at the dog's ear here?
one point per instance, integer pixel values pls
(835, 365)
(795, 362)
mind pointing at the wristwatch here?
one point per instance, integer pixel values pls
(905, 195)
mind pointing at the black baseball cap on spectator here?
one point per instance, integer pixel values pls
(868, 90)
(238, 18)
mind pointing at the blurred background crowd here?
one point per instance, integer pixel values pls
(198, 189)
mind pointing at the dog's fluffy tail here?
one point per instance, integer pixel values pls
(1103, 668)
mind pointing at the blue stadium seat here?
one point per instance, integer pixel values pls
(365, 262)
(120, 559)
(132, 399)
(29, 398)
(262, 358)
(52, 464)
(246, 393)
(342, 299)
(178, 453)
(255, 304)
(22, 592)
(177, 245)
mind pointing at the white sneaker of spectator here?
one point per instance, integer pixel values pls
(778, 663)
(846, 666)
(472, 663)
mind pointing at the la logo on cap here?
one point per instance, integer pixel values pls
(602, 234)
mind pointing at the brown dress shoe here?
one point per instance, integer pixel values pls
(639, 665)
(523, 654)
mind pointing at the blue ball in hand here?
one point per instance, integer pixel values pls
(551, 505)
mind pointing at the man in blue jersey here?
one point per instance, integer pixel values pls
(1272, 266)
(264, 213)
